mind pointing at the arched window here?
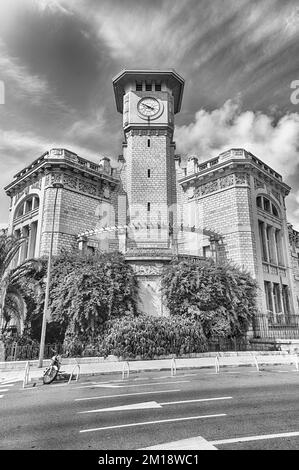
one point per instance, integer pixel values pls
(267, 205)
(30, 204)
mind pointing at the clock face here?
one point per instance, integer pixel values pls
(148, 107)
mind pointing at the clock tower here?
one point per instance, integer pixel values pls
(148, 101)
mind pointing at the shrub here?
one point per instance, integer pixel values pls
(221, 297)
(148, 336)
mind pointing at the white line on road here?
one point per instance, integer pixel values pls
(255, 438)
(6, 384)
(133, 385)
(195, 400)
(134, 406)
(4, 390)
(10, 381)
(128, 394)
(1, 396)
(145, 423)
(193, 443)
(150, 404)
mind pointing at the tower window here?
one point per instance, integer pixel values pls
(148, 87)
(138, 86)
(158, 86)
(148, 142)
(148, 173)
(148, 207)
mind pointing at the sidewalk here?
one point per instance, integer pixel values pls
(97, 366)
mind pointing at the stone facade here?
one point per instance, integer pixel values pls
(153, 203)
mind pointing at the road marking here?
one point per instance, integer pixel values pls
(193, 443)
(151, 404)
(10, 381)
(145, 423)
(6, 384)
(172, 377)
(255, 438)
(195, 400)
(128, 394)
(4, 390)
(1, 396)
(134, 406)
(133, 385)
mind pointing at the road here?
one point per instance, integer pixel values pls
(239, 408)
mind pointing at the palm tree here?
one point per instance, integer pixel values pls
(9, 247)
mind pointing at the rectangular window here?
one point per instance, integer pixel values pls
(148, 207)
(148, 87)
(207, 251)
(158, 86)
(148, 142)
(286, 300)
(269, 302)
(277, 298)
(263, 241)
(266, 205)
(138, 86)
(280, 259)
(148, 173)
(270, 243)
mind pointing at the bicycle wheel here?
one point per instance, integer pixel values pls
(50, 375)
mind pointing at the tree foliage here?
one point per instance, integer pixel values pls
(85, 291)
(147, 336)
(221, 297)
(10, 277)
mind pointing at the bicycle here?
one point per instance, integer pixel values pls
(52, 371)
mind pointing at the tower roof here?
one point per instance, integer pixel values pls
(173, 79)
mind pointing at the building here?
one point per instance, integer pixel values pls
(153, 204)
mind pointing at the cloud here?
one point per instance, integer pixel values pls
(21, 85)
(275, 143)
(21, 148)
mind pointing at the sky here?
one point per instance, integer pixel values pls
(239, 60)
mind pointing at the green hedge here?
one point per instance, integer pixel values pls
(147, 336)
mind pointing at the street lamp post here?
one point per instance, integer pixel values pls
(44, 322)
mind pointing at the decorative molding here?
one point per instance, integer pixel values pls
(275, 194)
(37, 184)
(258, 184)
(218, 184)
(242, 178)
(70, 181)
(87, 188)
(226, 181)
(147, 270)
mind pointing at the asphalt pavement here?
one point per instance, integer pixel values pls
(196, 409)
